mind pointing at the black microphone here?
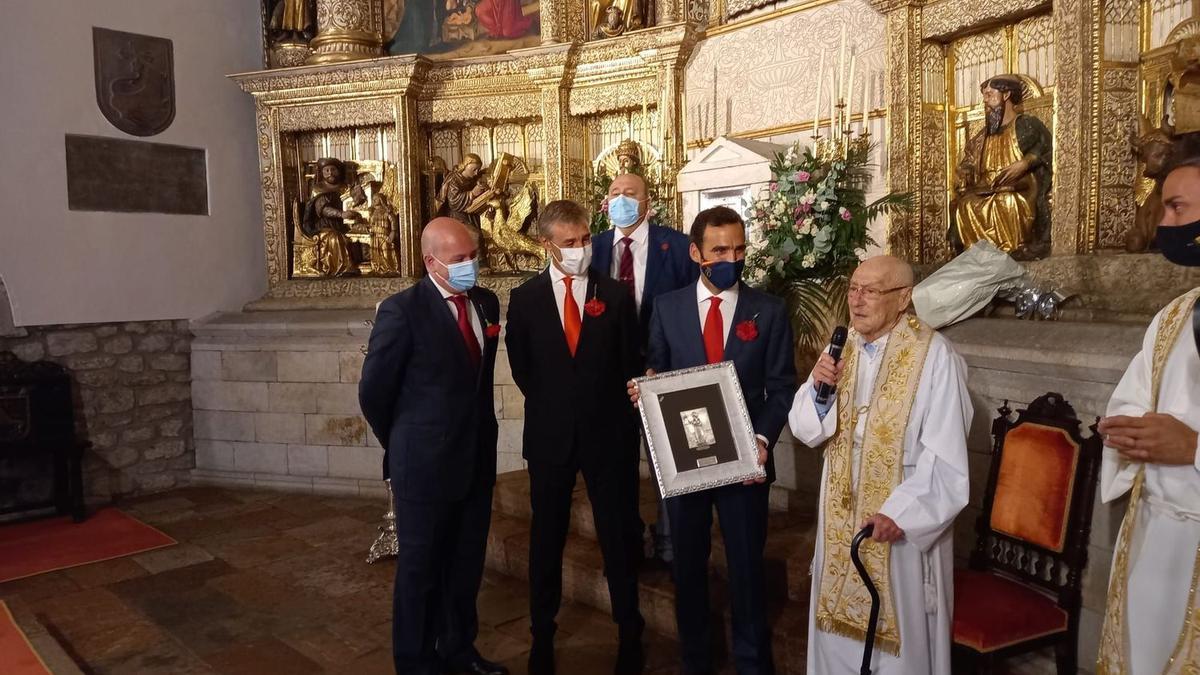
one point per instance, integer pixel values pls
(836, 342)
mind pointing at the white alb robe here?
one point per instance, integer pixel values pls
(1163, 549)
(936, 486)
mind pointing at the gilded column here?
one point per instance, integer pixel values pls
(555, 112)
(347, 30)
(903, 31)
(408, 172)
(1076, 126)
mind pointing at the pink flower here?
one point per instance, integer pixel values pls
(801, 177)
(604, 206)
(844, 213)
(804, 208)
(774, 186)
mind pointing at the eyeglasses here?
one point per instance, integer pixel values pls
(872, 293)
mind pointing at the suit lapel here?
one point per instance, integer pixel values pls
(447, 324)
(744, 310)
(488, 348)
(546, 310)
(693, 331)
(602, 246)
(656, 258)
(589, 322)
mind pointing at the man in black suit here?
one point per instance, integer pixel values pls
(572, 344)
(426, 391)
(648, 260)
(721, 319)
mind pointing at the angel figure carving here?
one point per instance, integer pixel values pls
(504, 210)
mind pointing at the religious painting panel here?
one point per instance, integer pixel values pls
(443, 29)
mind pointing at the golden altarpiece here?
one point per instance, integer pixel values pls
(555, 111)
(561, 107)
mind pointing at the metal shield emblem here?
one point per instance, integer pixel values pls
(135, 80)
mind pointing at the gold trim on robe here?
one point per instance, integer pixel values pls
(1114, 648)
(844, 605)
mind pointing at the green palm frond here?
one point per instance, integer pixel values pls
(816, 305)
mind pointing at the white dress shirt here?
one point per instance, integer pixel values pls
(639, 249)
(729, 298)
(578, 289)
(472, 312)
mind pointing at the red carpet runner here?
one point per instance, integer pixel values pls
(43, 546)
(16, 653)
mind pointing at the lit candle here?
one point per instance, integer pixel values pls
(817, 102)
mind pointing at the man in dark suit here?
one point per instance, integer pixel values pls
(572, 344)
(648, 260)
(426, 391)
(722, 319)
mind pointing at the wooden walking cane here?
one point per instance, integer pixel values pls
(873, 621)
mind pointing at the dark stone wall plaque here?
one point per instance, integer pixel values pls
(135, 80)
(111, 174)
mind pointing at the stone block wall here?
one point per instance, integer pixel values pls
(276, 403)
(133, 400)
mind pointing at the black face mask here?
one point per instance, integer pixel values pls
(1180, 244)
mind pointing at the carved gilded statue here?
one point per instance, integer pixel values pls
(629, 157)
(504, 215)
(461, 187)
(324, 219)
(1003, 178)
(1153, 147)
(292, 20)
(630, 15)
(384, 261)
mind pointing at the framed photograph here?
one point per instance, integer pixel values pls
(697, 429)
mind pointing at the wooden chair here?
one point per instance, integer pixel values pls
(1022, 588)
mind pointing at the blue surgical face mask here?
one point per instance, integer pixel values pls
(461, 275)
(723, 274)
(623, 211)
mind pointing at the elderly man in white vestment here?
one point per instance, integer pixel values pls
(896, 457)
(1152, 621)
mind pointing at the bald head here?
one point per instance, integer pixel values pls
(880, 290)
(446, 241)
(888, 268)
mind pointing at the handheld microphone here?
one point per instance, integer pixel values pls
(836, 342)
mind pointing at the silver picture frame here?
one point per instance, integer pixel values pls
(697, 429)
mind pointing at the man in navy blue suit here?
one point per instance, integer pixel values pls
(721, 319)
(648, 260)
(426, 391)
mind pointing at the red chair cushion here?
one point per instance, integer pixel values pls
(1034, 487)
(992, 612)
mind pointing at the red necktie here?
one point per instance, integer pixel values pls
(714, 332)
(464, 327)
(571, 321)
(625, 271)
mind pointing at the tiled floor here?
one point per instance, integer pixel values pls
(264, 582)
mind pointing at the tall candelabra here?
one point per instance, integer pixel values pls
(842, 142)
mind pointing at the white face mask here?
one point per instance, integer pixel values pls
(575, 261)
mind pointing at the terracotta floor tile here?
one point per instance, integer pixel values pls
(378, 662)
(247, 553)
(117, 643)
(171, 558)
(85, 612)
(333, 531)
(163, 658)
(38, 587)
(105, 572)
(262, 656)
(330, 650)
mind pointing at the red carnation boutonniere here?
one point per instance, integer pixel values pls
(492, 330)
(747, 330)
(594, 307)
(665, 245)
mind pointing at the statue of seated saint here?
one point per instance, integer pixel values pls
(1003, 178)
(324, 220)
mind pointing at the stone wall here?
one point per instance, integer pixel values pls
(276, 403)
(133, 399)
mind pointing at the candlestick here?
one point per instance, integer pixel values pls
(841, 62)
(833, 123)
(850, 93)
